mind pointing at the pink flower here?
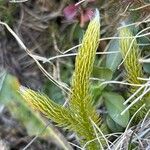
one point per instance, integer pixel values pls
(70, 12)
(86, 15)
(78, 12)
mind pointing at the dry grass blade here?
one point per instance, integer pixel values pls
(64, 145)
(50, 77)
(18, 1)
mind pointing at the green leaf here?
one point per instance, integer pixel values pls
(53, 92)
(104, 74)
(96, 93)
(146, 67)
(78, 33)
(8, 84)
(135, 15)
(113, 126)
(144, 43)
(113, 60)
(114, 104)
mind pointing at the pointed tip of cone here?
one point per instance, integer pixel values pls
(96, 15)
(22, 89)
(122, 25)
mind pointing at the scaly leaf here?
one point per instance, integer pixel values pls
(81, 99)
(47, 107)
(81, 110)
(131, 55)
(130, 52)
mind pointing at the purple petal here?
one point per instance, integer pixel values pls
(70, 12)
(86, 15)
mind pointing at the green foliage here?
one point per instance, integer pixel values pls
(77, 32)
(130, 52)
(144, 43)
(103, 74)
(10, 97)
(14, 102)
(48, 108)
(51, 90)
(113, 60)
(79, 114)
(112, 125)
(7, 10)
(114, 105)
(81, 99)
(80, 111)
(131, 55)
(146, 67)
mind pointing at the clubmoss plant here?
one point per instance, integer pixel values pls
(80, 111)
(131, 54)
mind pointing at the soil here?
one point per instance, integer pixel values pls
(13, 135)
